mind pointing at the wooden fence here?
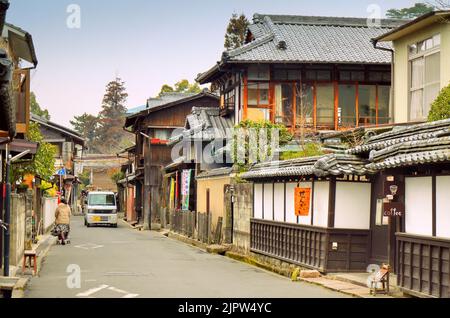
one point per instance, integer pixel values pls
(183, 222)
(324, 249)
(423, 265)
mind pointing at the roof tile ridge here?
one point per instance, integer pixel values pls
(249, 46)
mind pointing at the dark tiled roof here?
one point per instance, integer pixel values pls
(307, 39)
(220, 172)
(335, 165)
(419, 144)
(167, 100)
(63, 130)
(400, 135)
(414, 145)
(436, 150)
(205, 124)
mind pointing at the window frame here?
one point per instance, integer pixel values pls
(421, 55)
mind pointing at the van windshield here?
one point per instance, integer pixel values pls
(102, 199)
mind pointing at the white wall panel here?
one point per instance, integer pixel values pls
(258, 201)
(443, 206)
(321, 201)
(306, 220)
(279, 202)
(268, 201)
(418, 209)
(290, 203)
(352, 205)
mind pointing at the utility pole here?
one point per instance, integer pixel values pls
(147, 183)
(7, 216)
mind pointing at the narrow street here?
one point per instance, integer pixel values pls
(125, 263)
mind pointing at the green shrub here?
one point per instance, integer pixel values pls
(309, 150)
(243, 148)
(440, 109)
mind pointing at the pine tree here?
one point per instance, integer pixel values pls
(111, 137)
(410, 13)
(86, 125)
(236, 30)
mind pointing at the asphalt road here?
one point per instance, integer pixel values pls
(122, 262)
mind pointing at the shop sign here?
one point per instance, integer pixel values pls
(302, 201)
(394, 209)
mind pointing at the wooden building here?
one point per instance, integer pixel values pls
(331, 231)
(153, 128)
(127, 186)
(68, 143)
(414, 162)
(311, 73)
(382, 202)
(206, 131)
(18, 50)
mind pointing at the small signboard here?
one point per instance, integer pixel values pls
(393, 209)
(302, 201)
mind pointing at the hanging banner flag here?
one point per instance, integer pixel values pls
(185, 189)
(302, 201)
(172, 193)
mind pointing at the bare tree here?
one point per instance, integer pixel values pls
(305, 115)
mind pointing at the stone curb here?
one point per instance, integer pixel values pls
(187, 240)
(324, 281)
(251, 261)
(128, 224)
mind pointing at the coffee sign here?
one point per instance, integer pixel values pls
(394, 209)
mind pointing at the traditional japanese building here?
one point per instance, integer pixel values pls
(153, 128)
(197, 181)
(312, 73)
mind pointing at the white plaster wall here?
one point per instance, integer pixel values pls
(279, 202)
(418, 206)
(306, 220)
(443, 206)
(321, 201)
(268, 201)
(352, 205)
(290, 203)
(49, 209)
(258, 201)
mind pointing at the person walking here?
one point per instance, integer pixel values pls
(62, 222)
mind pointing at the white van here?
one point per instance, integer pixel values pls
(101, 209)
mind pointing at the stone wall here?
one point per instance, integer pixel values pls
(243, 211)
(17, 229)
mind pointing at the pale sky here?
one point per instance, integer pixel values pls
(146, 42)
